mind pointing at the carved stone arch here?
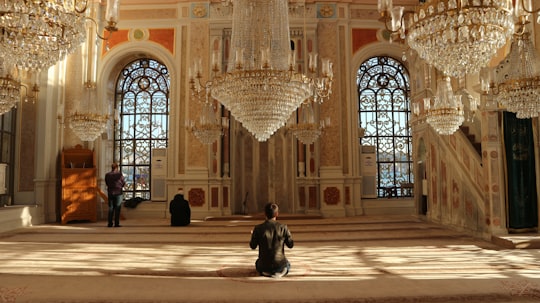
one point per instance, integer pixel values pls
(393, 50)
(115, 60)
(111, 65)
(364, 57)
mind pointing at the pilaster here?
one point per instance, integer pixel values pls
(493, 163)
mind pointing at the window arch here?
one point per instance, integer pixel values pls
(142, 103)
(384, 98)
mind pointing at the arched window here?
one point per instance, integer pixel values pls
(383, 96)
(142, 103)
(7, 155)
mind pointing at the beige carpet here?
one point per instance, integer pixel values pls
(360, 259)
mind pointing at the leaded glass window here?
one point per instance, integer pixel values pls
(142, 102)
(383, 96)
(7, 155)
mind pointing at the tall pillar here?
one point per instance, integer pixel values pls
(493, 163)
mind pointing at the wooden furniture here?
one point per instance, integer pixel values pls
(79, 183)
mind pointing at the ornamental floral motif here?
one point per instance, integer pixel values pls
(331, 196)
(326, 11)
(196, 197)
(199, 11)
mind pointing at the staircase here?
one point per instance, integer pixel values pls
(472, 138)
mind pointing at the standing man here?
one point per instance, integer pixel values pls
(115, 184)
(271, 237)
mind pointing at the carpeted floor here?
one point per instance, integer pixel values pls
(361, 259)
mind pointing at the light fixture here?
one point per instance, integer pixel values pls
(87, 123)
(209, 128)
(111, 19)
(88, 126)
(473, 102)
(10, 88)
(30, 94)
(457, 37)
(524, 9)
(36, 34)
(517, 84)
(261, 88)
(307, 130)
(446, 113)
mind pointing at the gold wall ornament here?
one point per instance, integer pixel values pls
(199, 10)
(327, 10)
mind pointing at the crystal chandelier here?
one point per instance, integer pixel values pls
(518, 85)
(88, 124)
(261, 88)
(38, 33)
(457, 37)
(306, 129)
(209, 128)
(10, 89)
(446, 114)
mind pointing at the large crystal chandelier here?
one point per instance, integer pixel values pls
(517, 82)
(87, 123)
(209, 128)
(261, 88)
(10, 89)
(446, 113)
(38, 33)
(457, 37)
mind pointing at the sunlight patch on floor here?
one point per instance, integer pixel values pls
(321, 263)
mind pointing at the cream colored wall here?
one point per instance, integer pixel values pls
(453, 170)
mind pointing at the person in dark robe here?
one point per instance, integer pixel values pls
(180, 211)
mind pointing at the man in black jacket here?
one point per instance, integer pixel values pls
(115, 194)
(271, 238)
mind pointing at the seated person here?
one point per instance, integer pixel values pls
(271, 238)
(180, 210)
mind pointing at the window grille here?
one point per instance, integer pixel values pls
(384, 98)
(142, 103)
